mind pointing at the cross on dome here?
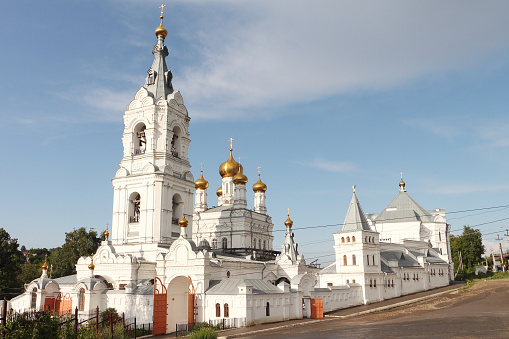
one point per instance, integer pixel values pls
(162, 7)
(231, 143)
(258, 169)
(353, 187)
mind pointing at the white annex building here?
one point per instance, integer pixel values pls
(167, 265)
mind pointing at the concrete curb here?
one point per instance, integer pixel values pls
(335, 317)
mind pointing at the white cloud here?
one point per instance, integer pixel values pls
(437, 127)
(107, 103)
(293, 51)
(331, 166)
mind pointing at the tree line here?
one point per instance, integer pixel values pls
(19, 265)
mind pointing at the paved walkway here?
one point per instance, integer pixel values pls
(343, 313)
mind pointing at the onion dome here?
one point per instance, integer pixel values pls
(201, 184)
(402, 183)
(240, 178)
(161, 31)
(259, 186)
(106, 233)
(289, 222)
(230, 167)
(219, 192)
(45, 265)
(183, 222)
(91, 266)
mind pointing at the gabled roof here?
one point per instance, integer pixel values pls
(403, 209)
(355, 219)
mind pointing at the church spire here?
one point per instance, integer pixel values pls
(158, 81)
(355, 219)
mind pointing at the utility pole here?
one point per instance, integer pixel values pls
(460, 265)
(501, 253)
(493, 259)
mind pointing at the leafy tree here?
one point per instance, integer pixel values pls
(31, 268)
(10, 265)
(470, 245)
(78, 243)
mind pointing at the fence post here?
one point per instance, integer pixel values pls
(176, 331)
(111, 325)
(223, 323)
(97, 319)
(135, 328)
(76, 321)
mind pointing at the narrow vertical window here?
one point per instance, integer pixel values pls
(353, 239)
(81, 299)
(214, 244)
(347, 239)
(267, 310)
(225, 243)
(226, 311)
(342, 239)
(345, 260)
(218, 310)
(354, 262)
(34, 298)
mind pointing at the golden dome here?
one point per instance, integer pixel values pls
(91, 266)
(259, 186)
(288, 222)
(402, 183)
(183, 222)
(106, 233)
(240, 178)
(161, 30)
(219, 192)
(201, 183)
(230, 167)
(45, 265)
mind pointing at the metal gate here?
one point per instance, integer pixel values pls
(160, 307)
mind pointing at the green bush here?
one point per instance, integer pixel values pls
(40, 325)
(204, 333)
(198, 326)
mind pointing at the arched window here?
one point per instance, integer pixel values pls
(370, 283)
(214, 244)
(228, 274)
(224, 243)
(34, 298)
(374, 260)
(345, 260)
(366, 239)
(81, 299)
(347, 239)
(134, 207)
(374, 283)
(226, 311)
(264, 244)
(259, 244)
(254, 243)
(368, 258)
(218, 310)
(354, 262)
(175, 142)
(139, 140)
(176, 205)
(342, 239)
(353, 239)
(267, 309)
(353, 281)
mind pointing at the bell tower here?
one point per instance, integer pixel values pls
(154, 181)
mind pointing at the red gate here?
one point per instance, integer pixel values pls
(63, 304)
(160, 307)
(316, 308)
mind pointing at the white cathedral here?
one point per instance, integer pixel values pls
(166, 266)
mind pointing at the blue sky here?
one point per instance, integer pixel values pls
(322, 96)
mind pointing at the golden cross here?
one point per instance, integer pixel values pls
(401, 175)
(162, 7)
(231, 143)
(201, 165)
(258, 169)
(288, 211)
(107, 225)
(354, 188)
(239, 159)
(183, 209)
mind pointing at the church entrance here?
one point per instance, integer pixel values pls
(180, 303)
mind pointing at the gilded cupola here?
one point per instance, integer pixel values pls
(259, 186)
(288, 222)
(201, 183)
(230, 167)
(219, 192)
(161, 31)
(240, 178)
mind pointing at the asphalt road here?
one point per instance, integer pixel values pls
(479, 312)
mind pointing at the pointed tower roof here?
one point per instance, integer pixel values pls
(355, 219)
(158, 81)
(404, 208)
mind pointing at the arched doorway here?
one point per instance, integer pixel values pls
(177, 303)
